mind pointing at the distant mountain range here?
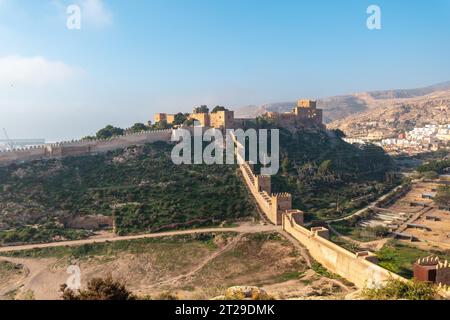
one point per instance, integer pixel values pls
(347, 106)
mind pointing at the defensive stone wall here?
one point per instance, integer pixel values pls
(358, 268)
(28, 154)
(82, 147)
(273, 205)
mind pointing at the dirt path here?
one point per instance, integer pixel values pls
(38, 277)
(41, 277)
(240, 229)
(184, 277)
(303, 251)
(11, 286)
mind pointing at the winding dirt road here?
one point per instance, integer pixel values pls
(240, 229)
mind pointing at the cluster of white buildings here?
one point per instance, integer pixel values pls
(430, 132)
(428, 138)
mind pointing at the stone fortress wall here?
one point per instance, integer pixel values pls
(360, 268)
(82, 147)
(273, 205)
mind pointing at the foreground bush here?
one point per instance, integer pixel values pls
(99, 289)
(402, 290)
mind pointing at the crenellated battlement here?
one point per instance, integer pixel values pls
(88, 141)
(432, 269)
(282, 196)
(443, 265)
(428, 261)
(23, 149)
(274, 205)
(82, 147)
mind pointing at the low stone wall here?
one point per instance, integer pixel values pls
(85, 147)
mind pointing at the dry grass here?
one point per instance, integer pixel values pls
(186, 267)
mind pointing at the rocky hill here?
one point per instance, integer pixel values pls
(384, 103)
(394, 116)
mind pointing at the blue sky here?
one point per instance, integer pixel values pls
(133, 58)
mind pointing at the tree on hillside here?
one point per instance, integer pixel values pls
(109, 131)
(285, 165)
(325, 167)
(162, 125)
(339, 133)
(189, 122)
(179, 119)
(443, 196)
(88, 138)
(201, 109)
(99, 289)
(431, 175)
(138, 127)
(219, 108)
(436, 166)
(262, 123)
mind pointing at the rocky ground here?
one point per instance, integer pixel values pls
(395, 116)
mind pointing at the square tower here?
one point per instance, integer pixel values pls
(281, 202)
(304, 103)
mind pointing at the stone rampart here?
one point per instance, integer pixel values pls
(82, 147)
(273, 205)
(357, 268)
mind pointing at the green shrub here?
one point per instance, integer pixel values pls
(435, 165)
(99, 289)
(395, 289)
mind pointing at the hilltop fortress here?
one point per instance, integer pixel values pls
(304, 115)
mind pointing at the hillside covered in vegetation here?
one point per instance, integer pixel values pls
(141, 185)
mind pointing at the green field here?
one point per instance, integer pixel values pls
(399, 257)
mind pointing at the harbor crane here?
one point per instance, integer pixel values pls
(8, 140)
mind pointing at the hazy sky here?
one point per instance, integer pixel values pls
(133, 58)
